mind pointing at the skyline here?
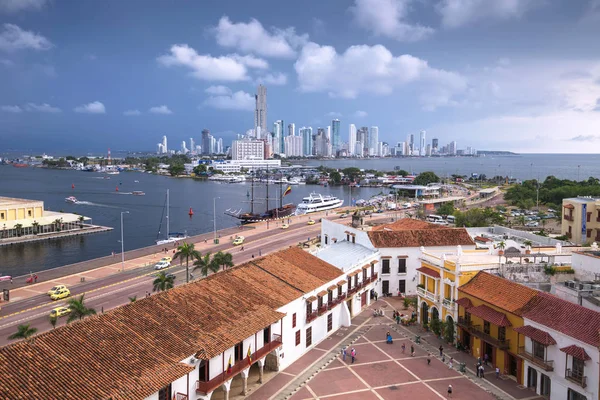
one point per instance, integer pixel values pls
(521, 77)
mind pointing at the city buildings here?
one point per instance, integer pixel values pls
(247, 149)
(581, 219)
(162, 147)
(293, 146)
(184, 149)
(206, 142)
(373, 140)
(335, 138)
(292, 129)
(307, 141)
(260, 111)
(277, 140)
(352, 140)
(422, 141)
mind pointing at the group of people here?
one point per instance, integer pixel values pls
(345, 353)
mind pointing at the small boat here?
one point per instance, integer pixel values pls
(191, 212)
(20, 165)
(112, 172)
(72, 186)
(136, 181)
(71, 199)
(138, 193)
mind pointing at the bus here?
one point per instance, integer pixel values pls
(451, 219)
(435, 219)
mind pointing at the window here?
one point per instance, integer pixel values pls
(347, 237)
(349, 278)
(486, 327)
(589, 216)
(339, 290)
(29, 213)
(385, 266)
(468, 317)
(501, 333)
(308, 336)
(356, 280)
(203, 371)
(293, 320)
(238, 352)
(385, 287)
(329, 322)
(539, 350)
(353, 239)
(308, 308)
(320, 302)
(297, 337)
(326, 239)
(573, 395)
(165, 393)
(373, 270)
(329, 296)
(402, 286)
(402, 266)
(364, 275)
(267, 335)
(1, 215)
(588, 232)
(577, 369)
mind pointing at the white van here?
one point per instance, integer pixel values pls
(451, 219)
(435, 219)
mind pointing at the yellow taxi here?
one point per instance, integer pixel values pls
(166, 259)
(55, 288)
(238, 240)
(285, 226)
(59, 312)
(311, 222)
(60, 294)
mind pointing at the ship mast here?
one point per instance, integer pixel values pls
(252, 198)
(267, 189)
(280, 191)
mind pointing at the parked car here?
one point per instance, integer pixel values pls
(162, 265)
(344, 215)
(532, 224)
(285, 226)
(311, 222)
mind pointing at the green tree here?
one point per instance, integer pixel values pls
(187, 251)
(57, 224)
(163, 282)
(24, 331)
(224, 260)
(53, 321)
(132, 299)
(176, 169)
(81, 218)
(78, 309)
(449, 332)
(446, 209)
(401, 172)
(206, 265)
(35, 225)
(352, 173)
(478, 217)
(19, 229)
(425, 178)
(200, 169)
(335, 177)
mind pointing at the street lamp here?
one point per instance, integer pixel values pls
(122, 242)
(215, 218)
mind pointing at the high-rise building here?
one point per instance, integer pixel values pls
(260, 111)
(411, 144)
(452, 148)
(278, 137)
(307, 140)
(434, 145)
(159, 148)
(428, 151)
(198, 149)
(184, 149)
(352, 140)
(358, 148)
(364, 139)
(192, 145)
(248, 149)
(220, 148)
(335, 135)
(206, 142)
(374, 139)
(422, 146)
(292, 129)
(293, 146)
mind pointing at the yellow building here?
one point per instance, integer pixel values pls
(489, 310)
(19, 209)
(581, 219)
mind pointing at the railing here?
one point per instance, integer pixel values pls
(433, 260)
(322, 309)
(478, 331)
(353, 290)
(181, 396)
(449, 304)
(568, 217)
(547, 365)
(421, 291)
(207, 387)
(431, 296)
(311, 316)
(576, 378)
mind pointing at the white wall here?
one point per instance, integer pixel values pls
(334, 230)
(585, 266)
(560, 385)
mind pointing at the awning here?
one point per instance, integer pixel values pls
(353, 273)
(332, 287)
(569, 206)
(311, 299)
(576, 352)
(386, 257)
(536, 334)
(489, 314)
(322, 293)
(341, 283)
(366, 266)
(464, 302)
(374, 261)
(429, 271)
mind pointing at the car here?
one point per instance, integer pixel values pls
(532, 224)
(55, 288)
(60, 294)
(285, 226)
(162, 265)
(551, 210)
(344, 215)
(60, 311)
(238, 240)
(167, 259)
(311, 222)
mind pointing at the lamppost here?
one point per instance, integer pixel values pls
(215, 241)
(122, 242)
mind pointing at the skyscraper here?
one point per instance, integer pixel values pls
(364, 139)
(373, 140)
(434, 145)
(184, 149)
(293, 146)
(307, 140)
(206, 142)
(292, 129)
(192, 145)
(335, 136)
(352, 140)
(260, 111)
(278, 137)
(220, 149)
(422, 146)
(164, 143)
(452, 148)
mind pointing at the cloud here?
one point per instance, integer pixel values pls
(205, 67)
(250, 61)
(6, 63)
(14, 6)
(132, 113)
(240, 100)
(375, 70)
(11, 109)
(252, 37)
(597, 108)
(95, 107)
(218, 90)
(277, 78)
(160, 110)
(585, 138)
(388, 18)
(334, 114)
(13, 38)
(456, 13)
(360, 114)
(44, 108)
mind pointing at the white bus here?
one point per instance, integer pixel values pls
(451, 219)
(434, 218)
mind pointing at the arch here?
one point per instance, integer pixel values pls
(435, 314)
(450, 333)
(424, 313)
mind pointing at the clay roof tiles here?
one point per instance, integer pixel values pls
(536, 334)
(489, 314)
(464, 302)
(406, 224)
(421, 237)
(428, 271)
(577, 352)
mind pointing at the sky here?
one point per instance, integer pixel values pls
(87, 75)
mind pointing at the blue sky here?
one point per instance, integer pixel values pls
(520, 75)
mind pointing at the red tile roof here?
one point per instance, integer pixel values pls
(482, 239)
(577, 352)
(489, 314)
(563, 316)
(421, 237)
(406, 224)
(536, 334)
(569, 206)
(134, 350)
(500, 292)
(464, 302)
(429, 271)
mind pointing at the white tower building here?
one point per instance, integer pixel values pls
(352, 140)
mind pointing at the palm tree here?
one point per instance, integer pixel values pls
(57, 223)
(78, 309)
(133, 299)
(521, 220)
(187, 250)
(18, 228)
(223, 259)
(206, 265)
(53, 321)
(81, 219)
(35, 225)
(23, 332)
(163, 282)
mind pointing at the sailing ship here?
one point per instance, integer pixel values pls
(283, 211)
(171, 237)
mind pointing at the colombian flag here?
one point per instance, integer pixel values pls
(287, 191)
(249, 356)
(229, 366)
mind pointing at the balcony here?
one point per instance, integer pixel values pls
(181, 396)
(568, 217)
(421, 291)
(477, 330)
(352, 290)
(311, 316)
(207, 387)
(547, 365)
(449, 304)
(576, 378)
(321, 310)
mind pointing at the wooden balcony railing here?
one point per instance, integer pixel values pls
(575, 377)
(547, 365)
(312, 316)
(181, 396)
(476, 330)
(321, 310)
(568, 217)
(207, 387)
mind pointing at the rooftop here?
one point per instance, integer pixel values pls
(134, 350)
(12, 201)
(421, 237)
(405, 224)
(581, 199)
(343, 254)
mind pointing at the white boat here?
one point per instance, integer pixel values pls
(170, 237)
(112, 172)
(138, 193)
(317, 202)
(71, 199)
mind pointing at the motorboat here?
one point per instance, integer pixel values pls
(138, 193)
(71, 199)
(317, 202)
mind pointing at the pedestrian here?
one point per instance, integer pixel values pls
(113, 253)
(35, 278)
(353, 355)
(477, 369)
(481, 372)
(441, 350)
(497, 373)
(450, 363)
(403, 347)
(259, 252)
(344, 353)
(102, 309)
(397, 319)
(412, 350)
(428, 358)
(252, 255)
(11, 280)
(486, 357)
(449, 390)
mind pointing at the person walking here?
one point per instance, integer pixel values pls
(403, 348)
(441, 350)
(449, 390)
(450, 363)
(497, 373)
(398, 319)
(412, 350)
(477, 369)
(353, 355)
(481, 372)
(486, 357)
(344, 353)
(428, 358)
